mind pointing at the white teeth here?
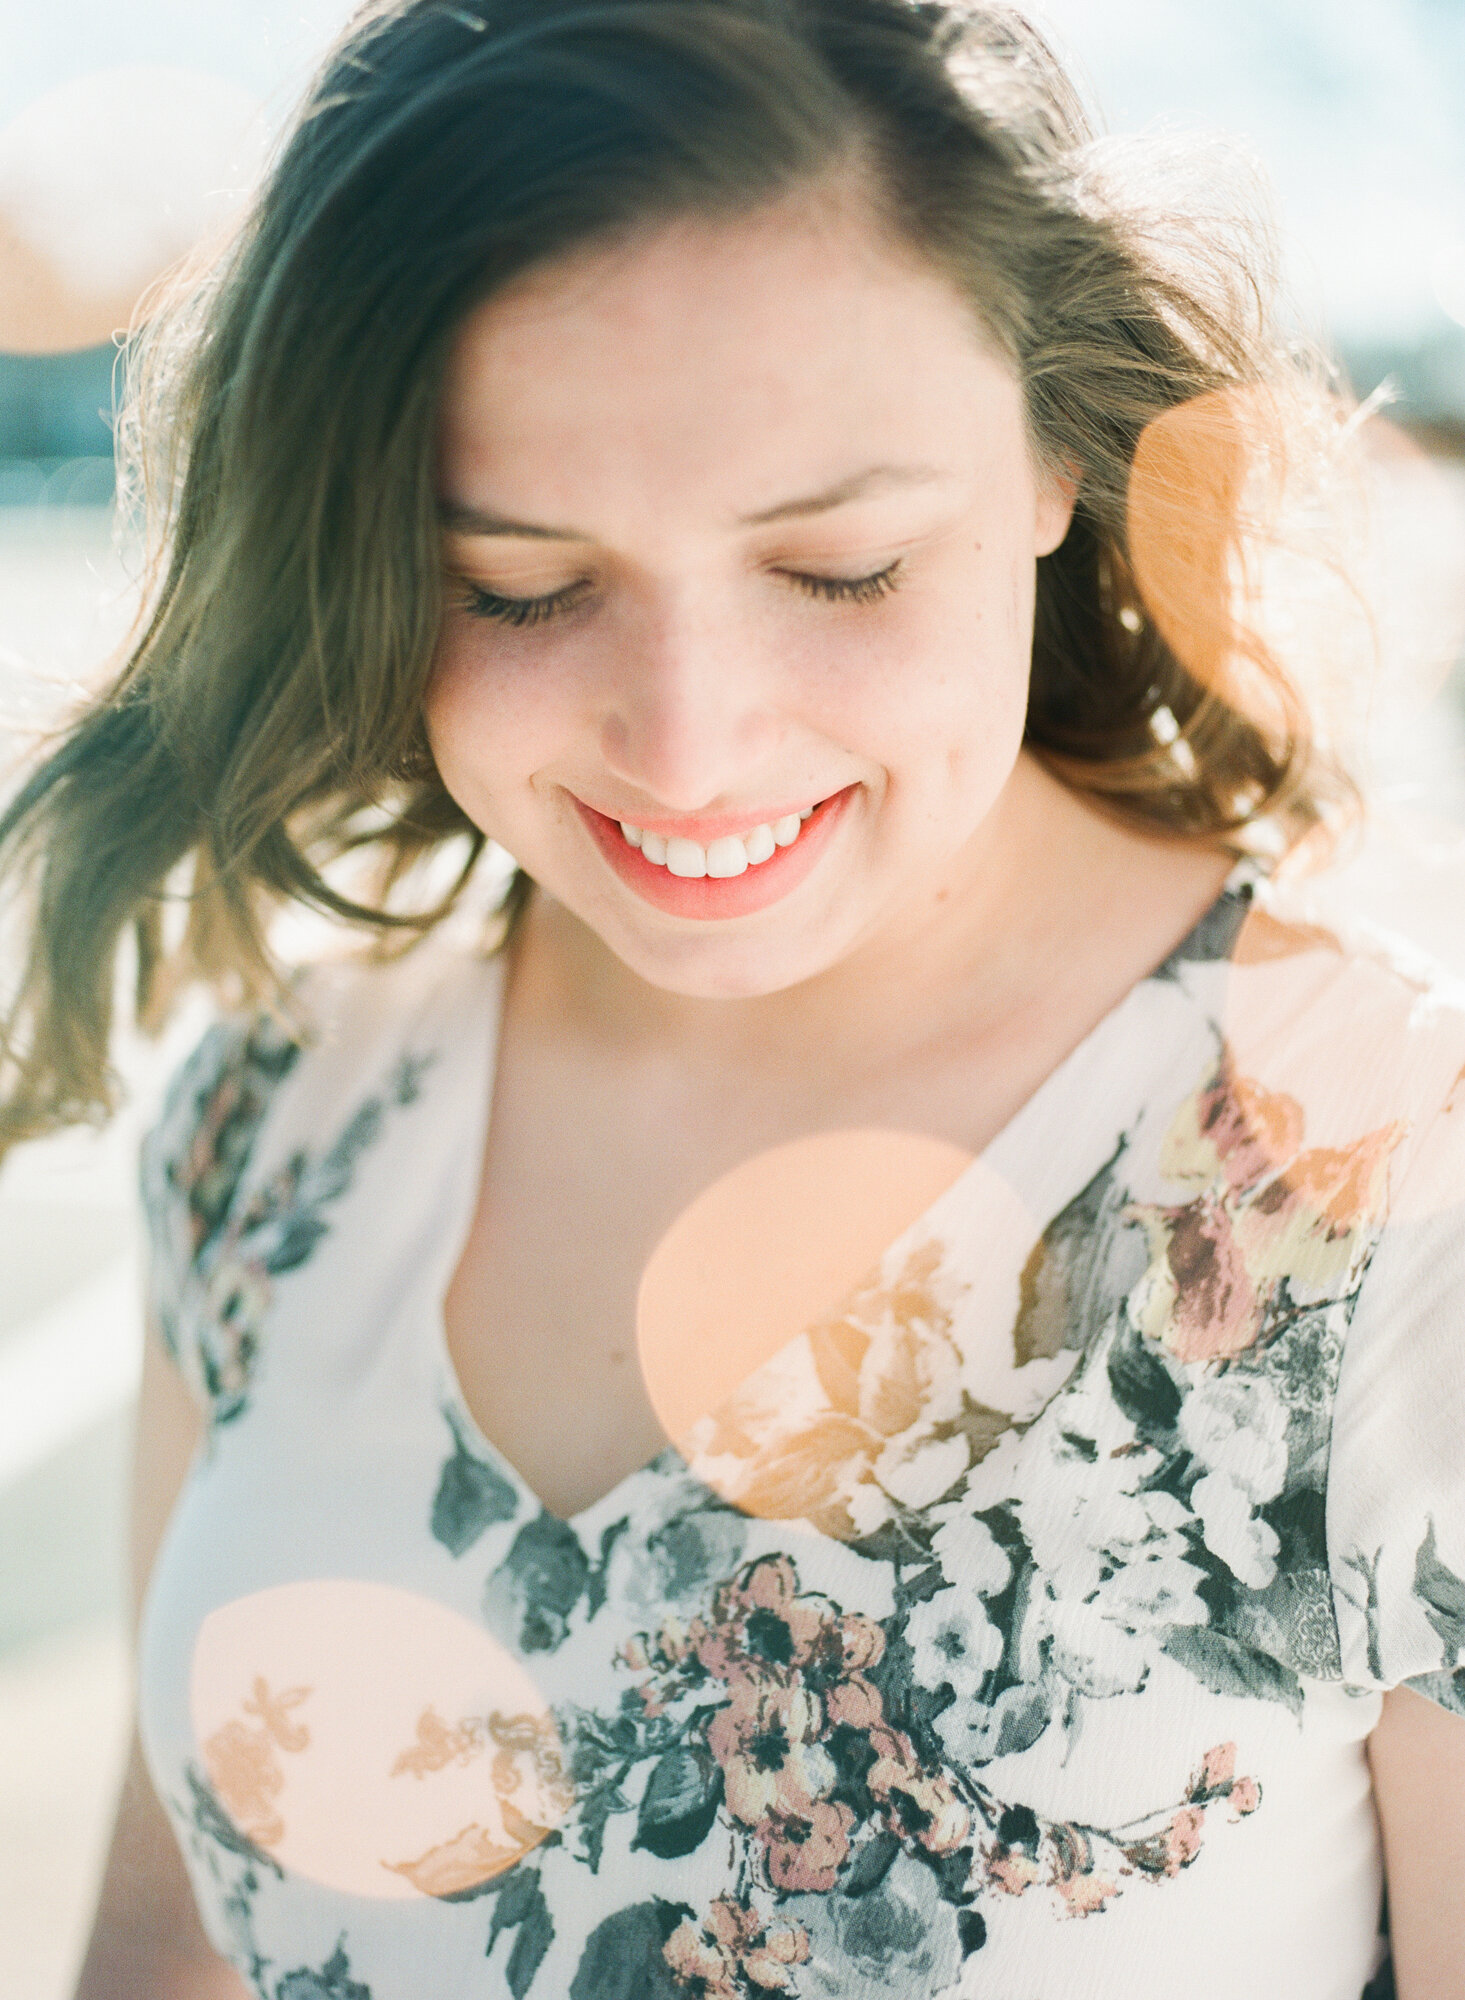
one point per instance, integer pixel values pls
(722, 858)
(685, 857)
(727, 856)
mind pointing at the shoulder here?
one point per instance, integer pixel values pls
(1322, 1120)
(194, 1153)
(1346, 1035)
(1347, 1049)
(1292, 1338)
(267, 1085)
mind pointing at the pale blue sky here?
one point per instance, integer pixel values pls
(1355, 107)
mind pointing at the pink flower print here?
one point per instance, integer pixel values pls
(1232, 1130)
(1218, 1768)
(700, 1964)
(440, 1744)
(853, 1703)
(1215, 1309)
(1217, 1779)
(1084, 1893)
(766, 1738)
(1161, 1855)
(1080, 1886)
(1087, 1866)
(1013, 1871)
(807, 1851)
(672, 1643)
(634, 1653)
(205, 1174)
(1183, 1838)
(861, 1642)
(242, 1764)
(1264, 1212)
(734, 1953)
(769, 1965)
(887, 1369)
(760, 1613)
(1305, 1224)
(246, 1775)
(792, 1669)
(920, 1804)
(697, 1965)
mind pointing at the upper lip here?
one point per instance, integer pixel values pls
(704, 827)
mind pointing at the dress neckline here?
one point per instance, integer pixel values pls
(1236, 890)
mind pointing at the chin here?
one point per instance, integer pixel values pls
(728, 981)
(721, 968)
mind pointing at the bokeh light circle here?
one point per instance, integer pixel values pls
(105, 183)
(372, 1739)
(770, 1249)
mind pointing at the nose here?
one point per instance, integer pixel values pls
(691, 708)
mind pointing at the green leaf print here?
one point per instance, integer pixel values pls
(680, 1802)
(1367, 1569)
(624, 1958)
(1143, 1387)
(210, 1820)
(1080, 1268)
(1215, 934)
(872, 1862)
(521, 1907)
(471, 1496)
(538, 1584)
(1442, 1594)
(332, 1982)
(1226, 1667)
(595, 1587)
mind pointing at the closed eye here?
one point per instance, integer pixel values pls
(850, 589)
(518, 611)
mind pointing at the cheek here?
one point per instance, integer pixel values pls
(488, 725)
(977, 649)
(961, 719)
(457, 716)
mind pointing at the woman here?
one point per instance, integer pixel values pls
(735, 455)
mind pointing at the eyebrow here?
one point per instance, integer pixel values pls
(466, 520)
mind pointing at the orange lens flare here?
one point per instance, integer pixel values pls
(803, 1341)
(373, 1740)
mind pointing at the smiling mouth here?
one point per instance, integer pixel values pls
(726, 876)
(728, 855)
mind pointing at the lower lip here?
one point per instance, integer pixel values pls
(708, 896)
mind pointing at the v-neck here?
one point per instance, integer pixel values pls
(480, 1090)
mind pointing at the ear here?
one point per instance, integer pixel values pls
(1057, 492)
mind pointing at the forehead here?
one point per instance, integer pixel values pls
(798, 328)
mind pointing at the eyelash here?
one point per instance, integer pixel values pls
(519, 611)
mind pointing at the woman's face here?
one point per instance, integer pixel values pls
(739, 520)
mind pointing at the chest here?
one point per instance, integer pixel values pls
(584, 1173)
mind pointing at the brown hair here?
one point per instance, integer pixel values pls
(267, 717)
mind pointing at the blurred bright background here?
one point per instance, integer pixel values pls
(130, 134)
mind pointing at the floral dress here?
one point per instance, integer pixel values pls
(1014, 1631)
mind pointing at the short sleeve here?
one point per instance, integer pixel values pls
(191, 1167)
(1396, 1476)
